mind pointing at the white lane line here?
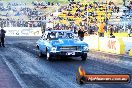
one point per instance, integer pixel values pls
(18, 78)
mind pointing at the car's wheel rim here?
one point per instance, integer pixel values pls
(48, 56)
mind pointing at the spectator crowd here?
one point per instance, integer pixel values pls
(90, 16)
(17, 14)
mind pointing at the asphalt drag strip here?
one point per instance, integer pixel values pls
(34, 72)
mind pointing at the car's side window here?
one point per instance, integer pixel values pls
(48, 36)
(60, 34)
(44, 36)
(51, 35)
(69, 35)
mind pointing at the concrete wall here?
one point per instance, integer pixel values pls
(119, 45)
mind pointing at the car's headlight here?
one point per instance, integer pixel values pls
(53, 49)
(85, 48)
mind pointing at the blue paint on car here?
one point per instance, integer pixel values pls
(62, 43)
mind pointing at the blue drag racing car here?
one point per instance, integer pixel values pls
(61, 43)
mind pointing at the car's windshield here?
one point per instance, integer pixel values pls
(56, 35)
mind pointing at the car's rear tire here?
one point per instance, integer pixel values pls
(84, 57)
(39, 53)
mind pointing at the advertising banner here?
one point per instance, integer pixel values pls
(23, 31)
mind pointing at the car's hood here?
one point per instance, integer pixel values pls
(68, 42)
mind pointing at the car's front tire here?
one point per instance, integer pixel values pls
(84, 57)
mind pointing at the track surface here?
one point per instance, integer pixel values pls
(34, 72)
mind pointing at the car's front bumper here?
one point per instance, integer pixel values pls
(72, 53)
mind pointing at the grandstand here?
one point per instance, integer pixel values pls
(24, 13)
(86, 12)
(91, 13)
(32, 13)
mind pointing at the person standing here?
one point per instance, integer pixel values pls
(81, 34)
(129, 33)
(111, 31)
(2, 37)
(129, 30)
(101, 29)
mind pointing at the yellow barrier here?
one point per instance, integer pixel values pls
(130, 52)
(112, 45)
(109, 45)
(122, 46)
